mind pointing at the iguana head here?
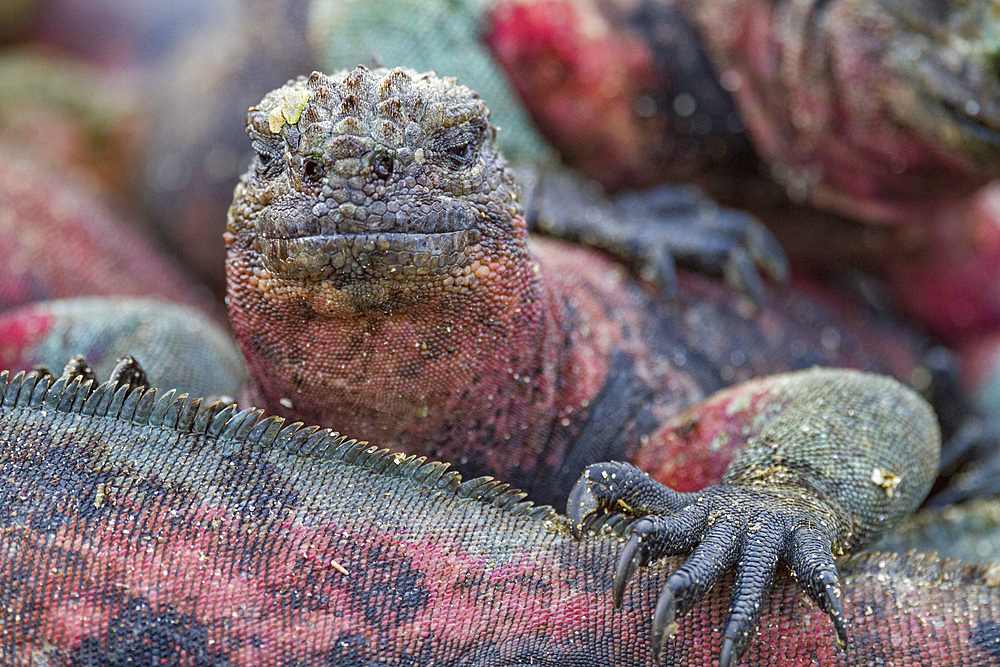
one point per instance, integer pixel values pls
(378, 275)
(373, 189)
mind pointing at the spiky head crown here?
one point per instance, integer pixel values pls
(391, 108)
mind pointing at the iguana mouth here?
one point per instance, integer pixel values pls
(332, 246)
(387, 255)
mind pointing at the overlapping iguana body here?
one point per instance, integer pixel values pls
(153, 528)
(381, 279)
(882, 112)
(59, 240)
(180, 347)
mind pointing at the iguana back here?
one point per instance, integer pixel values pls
(158, 530)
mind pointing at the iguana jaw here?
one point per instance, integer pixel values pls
(347, 275)
(422, 240)
(347, 258)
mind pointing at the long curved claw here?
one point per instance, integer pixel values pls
(811, 560)
(77, 367)
(659, 267)
(631, 559)
(766, 252)
(740, 274)
(654, 537)
(716, 554)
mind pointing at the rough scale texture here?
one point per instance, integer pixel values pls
(166, 554)
(381, 279)
(815, 115)
(197, 149)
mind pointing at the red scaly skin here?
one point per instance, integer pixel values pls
(97, 251)
(381, 279)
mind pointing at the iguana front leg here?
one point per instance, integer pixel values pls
(831, 459)
(653, 230)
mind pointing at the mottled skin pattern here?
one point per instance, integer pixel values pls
(381, 279)
(812, 114)
(155, 529)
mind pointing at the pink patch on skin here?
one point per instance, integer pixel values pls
(578, 78)
(694, 449)
(20, 334)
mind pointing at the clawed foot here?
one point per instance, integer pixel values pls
(722, 527)
(126, 371)
(655, 229)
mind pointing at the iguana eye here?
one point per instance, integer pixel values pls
(461, 153)
(313, 169)
(268, 159)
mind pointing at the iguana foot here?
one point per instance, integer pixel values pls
(126, 371)
(722, 526)
(651, 230)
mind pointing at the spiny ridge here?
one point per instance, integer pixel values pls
(145, 406)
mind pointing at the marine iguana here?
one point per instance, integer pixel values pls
(381, 278)
(141, 525)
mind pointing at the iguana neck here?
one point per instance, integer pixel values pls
(447, 375)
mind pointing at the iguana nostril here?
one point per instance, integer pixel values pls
(383, 166)
(313, 169)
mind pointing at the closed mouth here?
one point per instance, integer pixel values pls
(357, 255)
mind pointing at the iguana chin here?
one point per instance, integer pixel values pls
(381, 278)
(148, 527)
